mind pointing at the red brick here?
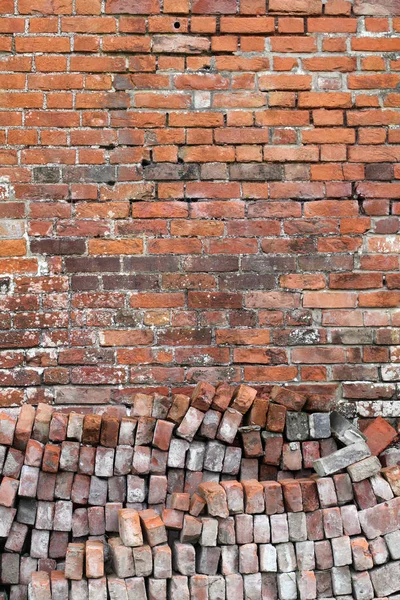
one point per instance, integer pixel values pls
(109, 431)
(94, 559)
(162, 434)
(309, 494)
(135, 7)
(364, 494)
(291, 400)
(7, 429)
(34, 453)
(51, 458)
(91, 429)
(276, 418)
(379, 435)
(202, 396)
(273, 497)
(8, 491)
(298, 6)
(41, 585)
(273, 450)
(254, 496)
(292, 495)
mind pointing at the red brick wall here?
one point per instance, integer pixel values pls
(199, 189)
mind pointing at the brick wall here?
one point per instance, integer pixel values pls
(199, 190)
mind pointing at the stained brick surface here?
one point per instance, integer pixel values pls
(199, 190)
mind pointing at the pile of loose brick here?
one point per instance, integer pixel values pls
(227, 494)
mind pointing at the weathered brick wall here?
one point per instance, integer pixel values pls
(199, 190)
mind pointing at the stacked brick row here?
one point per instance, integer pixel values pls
(226, 493)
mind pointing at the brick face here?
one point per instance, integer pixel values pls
(199, 190)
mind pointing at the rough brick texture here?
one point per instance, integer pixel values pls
(199, 189)
(116, 512)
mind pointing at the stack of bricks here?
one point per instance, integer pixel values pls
(229, 493)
